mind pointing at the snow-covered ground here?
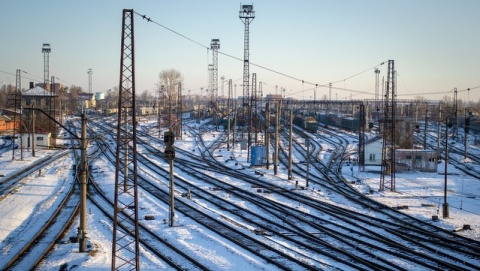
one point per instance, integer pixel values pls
(421, 192)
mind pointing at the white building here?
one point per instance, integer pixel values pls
(373, 153)
(41, 140)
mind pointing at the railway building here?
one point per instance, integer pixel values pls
(416, 160)
(41, 140)
(7, 124)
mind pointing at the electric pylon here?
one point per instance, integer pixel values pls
(388, 146)
(125, 244)
(16, 97)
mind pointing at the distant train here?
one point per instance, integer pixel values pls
(141, 111)
(347, 123)
(307, 123)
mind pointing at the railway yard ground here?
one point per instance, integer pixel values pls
(417, 194)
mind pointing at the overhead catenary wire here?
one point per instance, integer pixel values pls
(290, 76)
(25, 77)
(148, 19)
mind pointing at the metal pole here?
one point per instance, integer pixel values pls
(308, 158)
(33, 131)
(234, 124)
(228, 112)
(466, 133)
(172, 198)
(290, 150)
(425, 130)
(267, 133)
(439, 134)
(445, 204)
(277, 123)
(82, 233)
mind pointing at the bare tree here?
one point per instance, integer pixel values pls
(144, 97)
(73, 102)
(3, 95)
(167, 87)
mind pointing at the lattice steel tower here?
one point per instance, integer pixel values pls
(125, 244)
(389, 139)
(254, 105)
(215, 45)
(247, 15)
(46, 65)
(15, 99)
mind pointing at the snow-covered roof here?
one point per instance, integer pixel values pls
(36, 91)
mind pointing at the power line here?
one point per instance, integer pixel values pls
(256, 65)
(293, 77)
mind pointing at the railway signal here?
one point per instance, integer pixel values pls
(168, 140)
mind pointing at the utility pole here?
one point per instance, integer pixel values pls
(267, 133)
(82, 231)
(456, 112)
(53, 100)
(290, 177)
(425, 129)
(168, 140)
(467, 130)
(180, 110)
(33, 131)
(228, 112)
(17, 100)
(439, 135)
(361, 137)
(277, 123)
(329, 91)
(307, 142)
(445, 204)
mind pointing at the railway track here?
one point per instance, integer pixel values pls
(406, 226)
(247, 239)
(27, 246)
(433, 261)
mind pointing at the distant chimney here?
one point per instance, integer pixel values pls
(31, 85)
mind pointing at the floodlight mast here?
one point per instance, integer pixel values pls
(215, 45)
(46, 66)
(246, 15)
(89, 72)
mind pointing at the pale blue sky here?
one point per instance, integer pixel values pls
(435, 43)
